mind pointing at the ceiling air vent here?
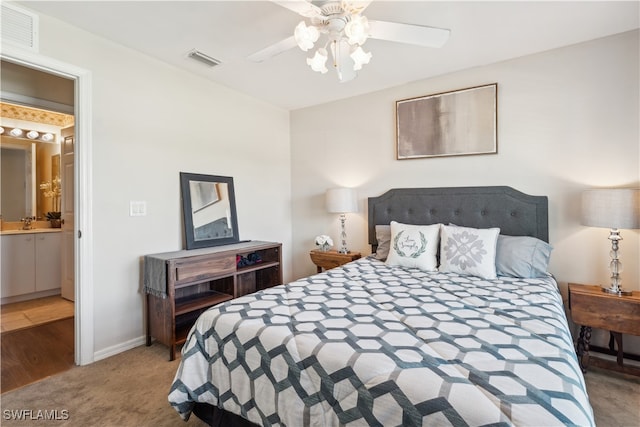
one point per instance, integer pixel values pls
(202, 58)
(19, 27)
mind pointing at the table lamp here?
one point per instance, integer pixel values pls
(342, 201)
(612, 208)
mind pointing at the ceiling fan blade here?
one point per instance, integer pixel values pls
(273, 50)
(355, 6)
(408, 33)
(301, 7)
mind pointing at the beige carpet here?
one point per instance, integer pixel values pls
(130, 389)
(615, 397)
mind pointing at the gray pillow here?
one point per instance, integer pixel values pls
(383, 237)
(522, 256)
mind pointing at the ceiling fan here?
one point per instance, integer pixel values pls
(346, 30)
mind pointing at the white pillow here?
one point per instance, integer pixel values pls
(471, 251)
(414, 246)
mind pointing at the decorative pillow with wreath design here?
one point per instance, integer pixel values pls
(470, 251)
(414, 246)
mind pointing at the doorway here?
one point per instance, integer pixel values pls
(37, 239)
(81, 236)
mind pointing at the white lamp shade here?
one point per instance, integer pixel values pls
(341, 200)
(611, 208)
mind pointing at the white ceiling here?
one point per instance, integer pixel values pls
(481, 33)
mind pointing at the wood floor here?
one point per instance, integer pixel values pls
(37, 341)
(34, 312)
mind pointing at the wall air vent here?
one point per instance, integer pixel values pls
(203, 58)
(19, 27)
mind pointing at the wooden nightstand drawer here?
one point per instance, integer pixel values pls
(591, 306)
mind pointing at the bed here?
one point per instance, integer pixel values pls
(389, 339)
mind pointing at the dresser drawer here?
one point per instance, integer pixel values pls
(201, 269)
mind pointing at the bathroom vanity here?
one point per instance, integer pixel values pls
(31, 264)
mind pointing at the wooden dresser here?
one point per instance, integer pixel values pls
(181, 285)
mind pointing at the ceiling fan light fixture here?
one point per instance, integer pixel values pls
(360, 58)
(305, 35)
(357, 30)
(344, 31)
(319, 60)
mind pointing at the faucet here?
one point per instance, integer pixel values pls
(27, 222)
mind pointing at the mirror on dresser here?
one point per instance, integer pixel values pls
(209, 210)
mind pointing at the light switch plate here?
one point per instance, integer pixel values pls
(137, 208)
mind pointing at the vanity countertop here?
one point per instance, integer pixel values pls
(32, 231)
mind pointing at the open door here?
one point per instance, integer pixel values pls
(67, 154)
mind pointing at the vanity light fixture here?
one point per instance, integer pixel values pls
(29, 134)
(47, 137)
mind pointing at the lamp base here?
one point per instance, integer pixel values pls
(616, 291)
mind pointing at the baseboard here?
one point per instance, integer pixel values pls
(119, 348)
(27, 297)
(610, 352)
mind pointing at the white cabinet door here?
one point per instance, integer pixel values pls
(18, 274)
(48, 264)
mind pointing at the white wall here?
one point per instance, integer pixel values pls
(567, 121)
(150, 122)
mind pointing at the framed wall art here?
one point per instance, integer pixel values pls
(458, 123)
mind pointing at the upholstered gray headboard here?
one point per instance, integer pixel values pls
(516, 213)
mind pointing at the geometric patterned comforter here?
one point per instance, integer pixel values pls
(370, 344)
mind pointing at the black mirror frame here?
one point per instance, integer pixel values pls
(189, 232)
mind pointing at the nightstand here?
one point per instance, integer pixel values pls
(331, 259)
(591, 307)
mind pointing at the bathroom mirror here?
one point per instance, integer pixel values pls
(25, 165)
(209, 210)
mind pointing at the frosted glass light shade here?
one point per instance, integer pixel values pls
(305, 36)
(360, 57)
(357, 30)
(611, 208)
(317, 63)
(341, 200)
